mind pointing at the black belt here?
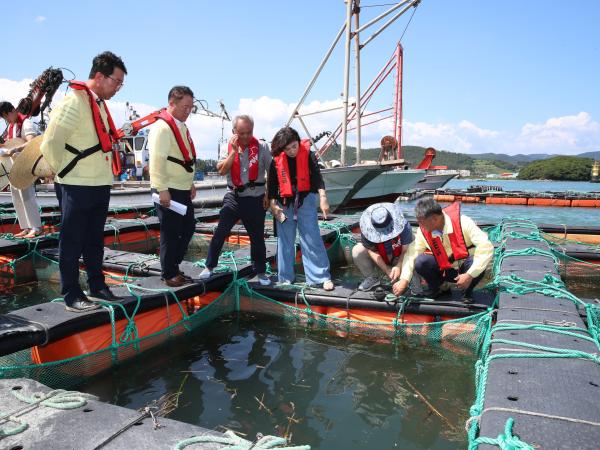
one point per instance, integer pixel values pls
(451, 259)
(78, 156)
(250, 185)
(188, 166)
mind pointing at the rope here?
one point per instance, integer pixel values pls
(56, 399)
(544, 415)
(234, 442)
(506, 441)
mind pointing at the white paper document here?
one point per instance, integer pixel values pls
(179, 208)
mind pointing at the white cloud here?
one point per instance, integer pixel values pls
(40, 19)
(570, 134)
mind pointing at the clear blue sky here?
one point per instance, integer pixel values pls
(498, 64)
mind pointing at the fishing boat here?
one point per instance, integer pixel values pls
(395, 178)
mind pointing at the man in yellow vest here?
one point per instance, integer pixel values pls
(459, 251)
(172, 166)
(78, 146)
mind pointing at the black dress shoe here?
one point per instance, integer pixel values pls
(106, 295)
(186, 277)
(81, 304)
(176, 281)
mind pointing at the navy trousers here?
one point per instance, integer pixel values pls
(83, 211)
(427, 267)
(176, 232)
(250, 210)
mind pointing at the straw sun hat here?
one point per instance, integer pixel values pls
(381, 222)
(29, 165)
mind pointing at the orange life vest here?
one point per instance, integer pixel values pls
(236, 176)
(14, 129)
(106, 138)
(302, 171)
(457, 240)
(187, 163)
(393, 246)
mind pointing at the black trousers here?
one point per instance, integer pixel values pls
(83, 211)
(427, 267)
(176, 232)
(252, 214)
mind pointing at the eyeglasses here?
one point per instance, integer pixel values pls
(120, 83)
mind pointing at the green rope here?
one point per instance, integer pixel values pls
(233, 442)
(57, 399)
(506, 441)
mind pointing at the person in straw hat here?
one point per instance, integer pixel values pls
(78, 147)
(385, 237)
(26, 207)
(458, 250)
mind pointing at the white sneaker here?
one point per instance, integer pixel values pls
(205, 274)
(264, 279)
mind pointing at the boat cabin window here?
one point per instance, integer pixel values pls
(139, 142)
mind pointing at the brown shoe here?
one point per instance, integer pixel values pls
(176, 281)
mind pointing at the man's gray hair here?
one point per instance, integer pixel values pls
(244, 117)
(426, 207)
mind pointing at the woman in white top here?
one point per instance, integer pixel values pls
(26, 207)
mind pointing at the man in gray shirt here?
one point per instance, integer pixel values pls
(246, 164)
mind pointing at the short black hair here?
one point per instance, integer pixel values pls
(5, 108)
(178, 92)
(427, 207)
(282, 139)
(105, 63)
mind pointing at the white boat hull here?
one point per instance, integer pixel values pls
(341, 183)
(391, 183)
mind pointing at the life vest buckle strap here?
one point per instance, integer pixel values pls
(79, 155)
(188, 166)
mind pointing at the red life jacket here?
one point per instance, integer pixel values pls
(457, 240)
(394, 244)
(187, 162)
(302, 171)
(106, 138)
(14, 129)
(236, 176)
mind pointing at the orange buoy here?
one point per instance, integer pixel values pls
(444, 198)
(586, 203)
(505, 201)
(470, 199)
(537, 201)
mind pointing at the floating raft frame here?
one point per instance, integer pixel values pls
(559, 199)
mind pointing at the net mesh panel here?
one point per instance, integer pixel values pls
(469, 332)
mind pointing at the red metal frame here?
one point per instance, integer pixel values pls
(395, 62)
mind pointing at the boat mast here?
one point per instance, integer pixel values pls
(357, 75)
(398, 100)
(346, 80)
(353, 8)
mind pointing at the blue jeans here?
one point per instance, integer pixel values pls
(314, 255)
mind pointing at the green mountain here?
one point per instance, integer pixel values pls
(571, 168)
(414, 154)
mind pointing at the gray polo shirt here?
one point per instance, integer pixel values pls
(264, 161)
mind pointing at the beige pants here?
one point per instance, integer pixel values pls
(364, 262)
(26, 207)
